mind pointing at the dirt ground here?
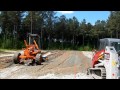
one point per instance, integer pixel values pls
(60, 64)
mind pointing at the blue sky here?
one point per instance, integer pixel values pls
(90, 16)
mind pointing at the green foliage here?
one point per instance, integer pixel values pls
(85, 48)
(74, 35)
(8, 44)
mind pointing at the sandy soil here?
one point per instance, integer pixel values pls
(61, 65)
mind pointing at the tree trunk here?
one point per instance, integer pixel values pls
(111, 34)
(83, 40)
(41, 38)
(31, 21)
(73, 40)
(88, 42)
(98, 41)
(94, 43)
(4, 40)
(116, 34)
(49, 42)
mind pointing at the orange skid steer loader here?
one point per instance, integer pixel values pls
(30, 55)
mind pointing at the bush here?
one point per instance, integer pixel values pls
(11, 44)
(80, 48)
(6, 44)
(16, 44)
(85, 48)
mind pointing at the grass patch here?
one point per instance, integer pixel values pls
(85, 48)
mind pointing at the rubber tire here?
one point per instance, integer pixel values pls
(87, 71)
(15, 58)
(118, 52)
(38, 59)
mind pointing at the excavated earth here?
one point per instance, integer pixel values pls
(61, 64)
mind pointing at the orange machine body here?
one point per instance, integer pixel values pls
(30, 51)
(97, 56)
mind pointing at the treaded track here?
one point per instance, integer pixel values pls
(103, 73)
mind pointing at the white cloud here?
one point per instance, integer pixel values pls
(66, 12)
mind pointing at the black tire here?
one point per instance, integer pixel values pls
(87, 71)
(38, 59)
(43, 60)
(15, 58)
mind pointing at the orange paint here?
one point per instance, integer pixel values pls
(30, 51)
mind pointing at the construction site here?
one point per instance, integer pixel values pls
(61, 65)
(43, 64)
(32, 63)
(67, 51)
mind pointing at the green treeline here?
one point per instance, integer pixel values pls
(55, 32)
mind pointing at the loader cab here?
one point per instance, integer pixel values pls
(110, 42)
(116, 45)
(102, 44)
(32, 37)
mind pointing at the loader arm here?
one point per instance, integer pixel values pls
(36, 45)
(25, 43)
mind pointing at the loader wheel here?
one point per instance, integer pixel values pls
(38, 59)
(87, 71)
(118, 52)
(16, 58)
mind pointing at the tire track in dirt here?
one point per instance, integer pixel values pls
(85, 62)
(28, 70)
(63, 62)
(72, 64)
(67, 64)
(54, 64)
(7, 72)
(5, 62)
